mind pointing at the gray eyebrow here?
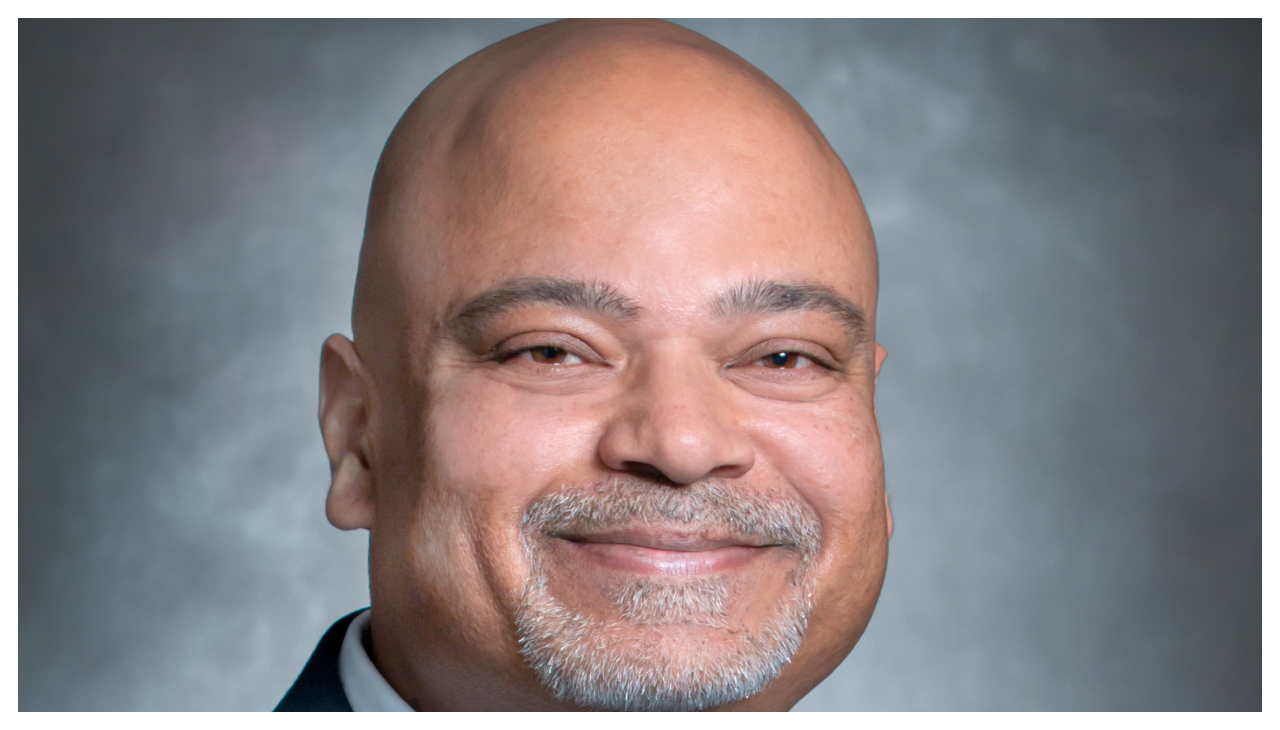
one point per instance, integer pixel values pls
(763, 296)
(592, 297)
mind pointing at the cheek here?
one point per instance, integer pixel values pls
(493, 450)
(829, 452)
(493, 438)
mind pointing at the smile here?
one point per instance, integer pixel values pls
(668, 554)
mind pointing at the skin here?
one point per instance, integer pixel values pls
(646, 158)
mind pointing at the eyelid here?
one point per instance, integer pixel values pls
(817, 354)
(505, 350)
(531, 350)
(793, 353)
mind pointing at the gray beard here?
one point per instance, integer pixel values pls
(633, 662)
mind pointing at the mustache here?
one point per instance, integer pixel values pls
(711, 507)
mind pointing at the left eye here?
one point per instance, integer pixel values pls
(786, 360)
(549, 355)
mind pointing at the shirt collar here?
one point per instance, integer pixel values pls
(366, 689)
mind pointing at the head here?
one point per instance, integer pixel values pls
(608, 412)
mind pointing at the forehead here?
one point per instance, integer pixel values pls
(668, 183)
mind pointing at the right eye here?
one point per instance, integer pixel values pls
(547, 355)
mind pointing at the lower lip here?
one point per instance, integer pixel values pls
(674, 563)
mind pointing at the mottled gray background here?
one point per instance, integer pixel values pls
(1069, 218)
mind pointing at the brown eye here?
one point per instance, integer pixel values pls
(547, 355)
(786, 360)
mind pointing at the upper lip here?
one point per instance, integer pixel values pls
(662, 540)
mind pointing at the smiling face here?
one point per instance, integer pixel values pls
(609, 412)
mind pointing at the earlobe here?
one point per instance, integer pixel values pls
(888, 514)
(344, 417)
(350, 502)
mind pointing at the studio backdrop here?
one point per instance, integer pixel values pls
(1069, 222)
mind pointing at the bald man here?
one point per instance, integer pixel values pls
(608, 411)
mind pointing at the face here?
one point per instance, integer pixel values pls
(625, 454)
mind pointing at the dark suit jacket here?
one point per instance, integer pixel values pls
(318, 688)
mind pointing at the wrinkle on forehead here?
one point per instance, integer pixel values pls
(573, 103)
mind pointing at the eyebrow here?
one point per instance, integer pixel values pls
(752, 297)
(592, 297)
(764, 296)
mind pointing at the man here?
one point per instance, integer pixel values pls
(608, 413)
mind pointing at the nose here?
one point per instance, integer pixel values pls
(675, 424)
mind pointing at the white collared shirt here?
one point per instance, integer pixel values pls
(366, 689)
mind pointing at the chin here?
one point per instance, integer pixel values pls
(643, 598)
(660, 645)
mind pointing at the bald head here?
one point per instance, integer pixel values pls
(608, 112)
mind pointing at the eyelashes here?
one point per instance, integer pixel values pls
(783, 369)
(786, 360)
(544, 355)
(557, 356)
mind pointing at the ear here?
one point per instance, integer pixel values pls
(881, 353)
(888, 513)
(344, 417)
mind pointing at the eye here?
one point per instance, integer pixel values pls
(786, 360)
(548, 355)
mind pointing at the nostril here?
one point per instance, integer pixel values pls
(647, 471)
(730, 471)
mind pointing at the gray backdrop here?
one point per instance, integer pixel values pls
(1069, 220)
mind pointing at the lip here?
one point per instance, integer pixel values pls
(671, 554)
